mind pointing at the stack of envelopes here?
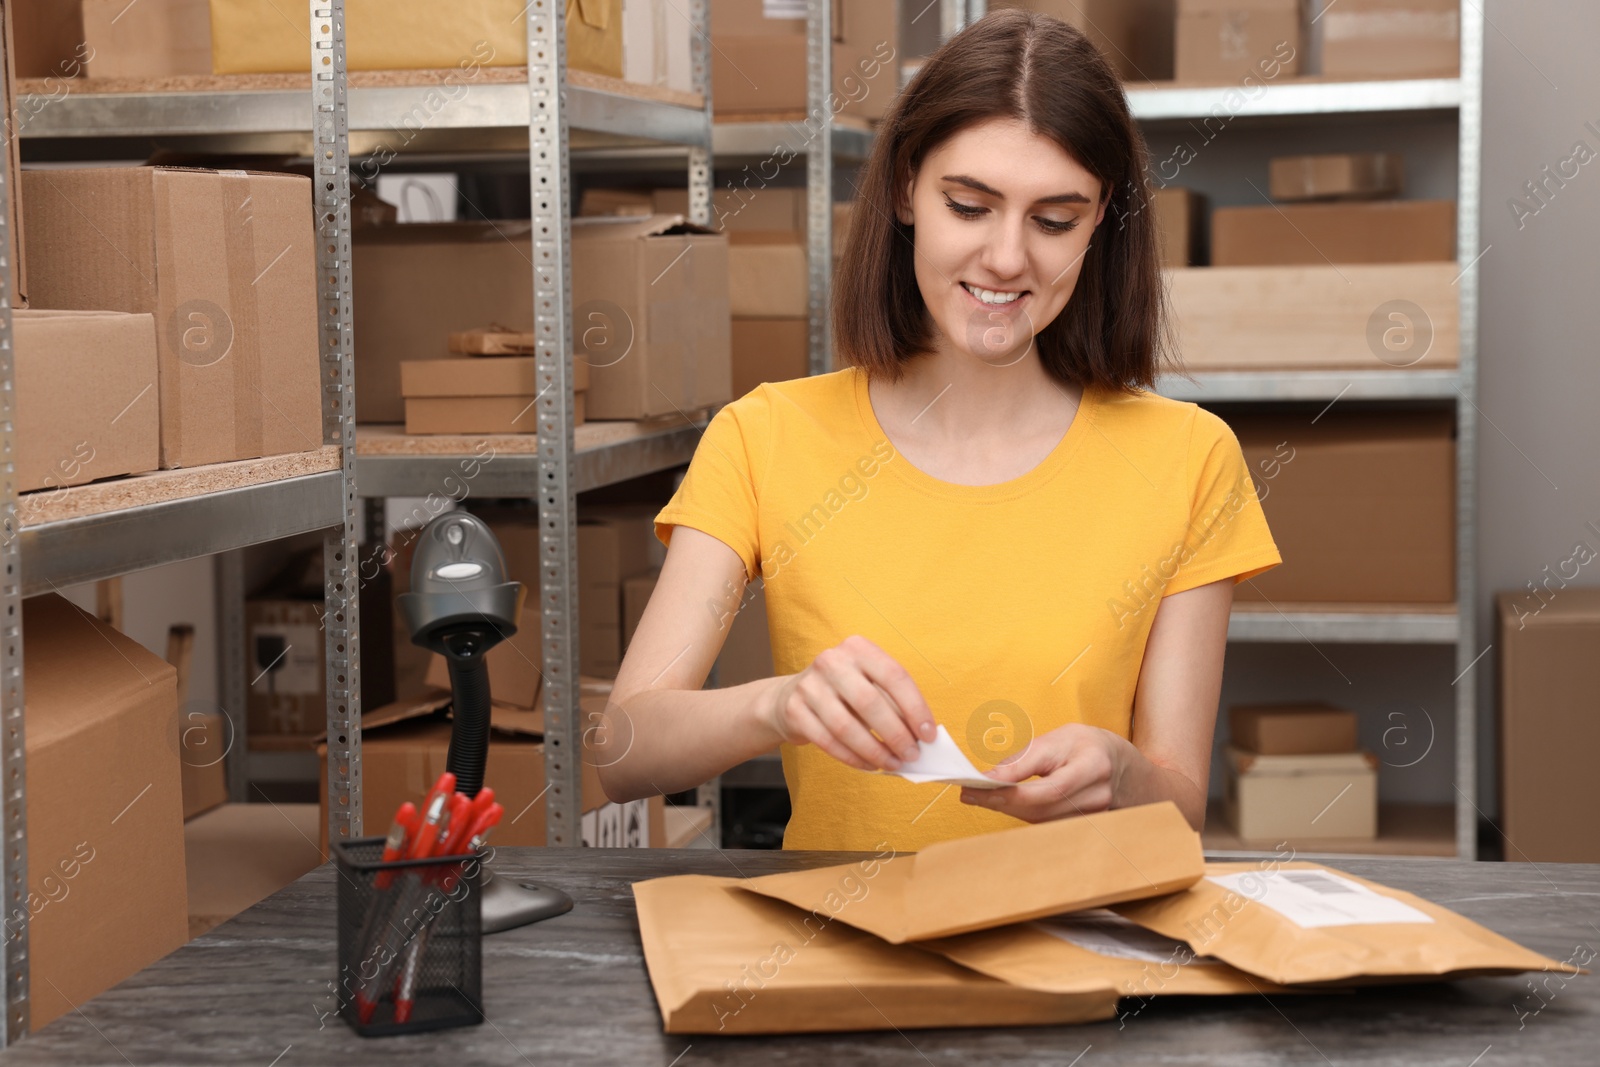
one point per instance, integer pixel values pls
(1037, 925)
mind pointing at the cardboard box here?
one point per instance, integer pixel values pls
(614, 542)
(1548, 731)
(767, 276)
(473, 274)
(657, 45)
(225, 261)
(1380, 231)
(650, 298)
(48, 37)
(1135, 36)
(149, 39)
(766, 209)
(1228, 40)
(1337, 176)
(481, 376)
(203, 743)
(514, 664)
(240, 854)
(1292, 729)
(1178, 213)
(1364, 316)
(101, 730)
(636, 590)
(404, 748)
(769, 350)
(1392, 39)
(263, 36)
(1362, 505)
(284, 656)
(86, 396)
(758, 64)
(1273, 798)
(480, 414)
(16, 123)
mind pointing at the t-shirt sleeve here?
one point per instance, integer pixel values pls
(1227, 535)
(720, 492)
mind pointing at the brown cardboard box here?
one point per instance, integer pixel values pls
(203, 743)
(1228, 40)
(1292, 729)
(613, 542)
(16, 123)
(1379, 316)
(472, 274)
(480, 414)
(1178, 213)
(105, 890)
(285, 659)
(1361, 505)
(1548, 731)
(650, 300)
(758, 64)
(747, 650)
(48, 38)
(240, 854)
(1337, 176)
(86, 404)
(1273, 798)
(149, 39)
(769, 350)
(492, 394)
(225, 262)
(263, 36)
(657, 45)
(403, 750)
(1392, 39)
(1379, 231)
(636, 590)
(1134, 35)
(765, 209)
(767, 276)
(514, 664)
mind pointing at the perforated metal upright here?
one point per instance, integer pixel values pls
(330, 148)
(819, 182)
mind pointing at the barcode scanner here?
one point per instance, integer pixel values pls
(461, 605)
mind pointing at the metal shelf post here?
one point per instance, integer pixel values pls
(819, 182)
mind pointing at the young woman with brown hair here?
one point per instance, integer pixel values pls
(986, 521)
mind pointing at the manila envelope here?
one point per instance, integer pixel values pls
(723, 960)
(1302, 922)
(1007, 876)
(1085, 950)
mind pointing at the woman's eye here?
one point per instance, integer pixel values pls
(1056, 225)
(966, 211)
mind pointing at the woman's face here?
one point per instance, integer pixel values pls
(1002, 218)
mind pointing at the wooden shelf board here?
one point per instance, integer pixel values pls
(388, 439)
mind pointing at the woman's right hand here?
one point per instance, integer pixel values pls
(848, 693)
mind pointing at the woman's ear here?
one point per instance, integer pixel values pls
(902, 205)
(1105, 202)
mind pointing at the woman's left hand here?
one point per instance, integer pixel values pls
(1079, 766)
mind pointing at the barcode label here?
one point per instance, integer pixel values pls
(1319, 898)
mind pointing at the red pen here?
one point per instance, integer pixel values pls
(423, 842)
(406, 986)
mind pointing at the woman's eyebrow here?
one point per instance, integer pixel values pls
(975, 184)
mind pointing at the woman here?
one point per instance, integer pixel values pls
(985, 521)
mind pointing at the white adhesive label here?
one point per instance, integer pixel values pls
(783, 9)
(1319, 898)
(1103, 931)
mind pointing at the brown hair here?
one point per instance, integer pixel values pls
(1041, 71)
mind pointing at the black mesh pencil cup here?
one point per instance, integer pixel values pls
(410, 940)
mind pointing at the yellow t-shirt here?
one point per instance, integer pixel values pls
(1016, 607)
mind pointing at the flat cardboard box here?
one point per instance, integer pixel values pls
(101, 733)
(1230, 40)
(614, 542)
(1363, 316)
(1135, 36)
(1378, 231)
(15, 125)
(48, 39)
(86, 396)
(473, 274)
(284, 656)
(240, 854)
(767, 276)
(758, 64)
(1178, 214)
(514, 664)
(636, 590)
(203, 743)
(264, 36)
(149, 39)
(1273, 798)
(769, 350)
(650, 301)
(1362, 506)
(657, 45)
(481, 414)
(1337, 176)
(1292, 729)
(225, 261)
(1548, 731)
(487, 376)
(1392, 39)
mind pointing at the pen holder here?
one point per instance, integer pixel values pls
(410, 940)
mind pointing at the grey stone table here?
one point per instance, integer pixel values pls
(573, 990)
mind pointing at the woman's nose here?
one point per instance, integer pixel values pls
(1006, 252)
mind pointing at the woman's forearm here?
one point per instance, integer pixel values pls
(1145, 781)
(668, 740)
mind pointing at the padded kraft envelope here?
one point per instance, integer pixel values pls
(1028, 872)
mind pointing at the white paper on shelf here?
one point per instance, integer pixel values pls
(1319, 898)
(942, 761)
